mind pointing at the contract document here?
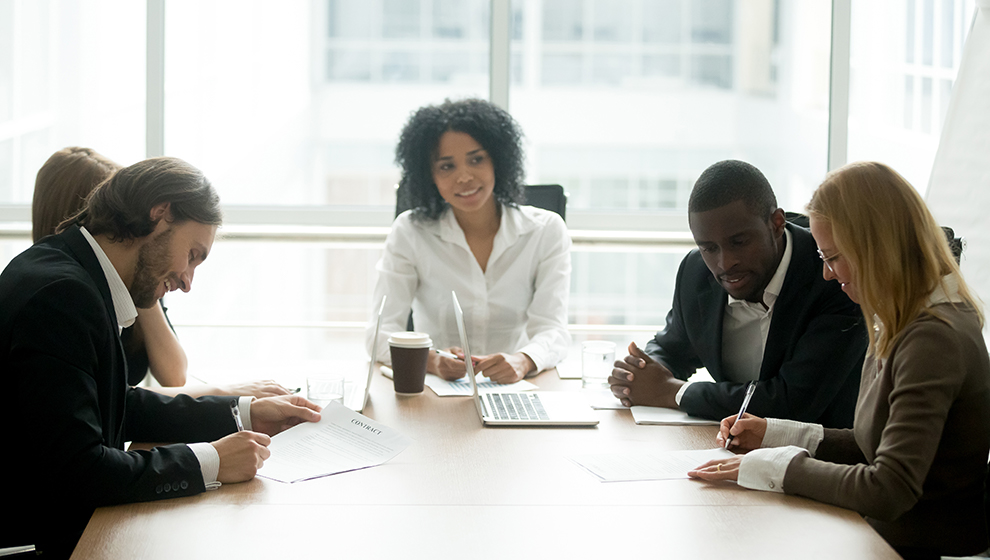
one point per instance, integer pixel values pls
(659, 465)
(341, 441)
(667, 417)
(462, 388)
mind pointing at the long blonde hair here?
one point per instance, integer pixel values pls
(897, 251)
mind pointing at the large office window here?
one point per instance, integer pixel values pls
(301, 103)
(72, 72)
(901, 78)
(296, 107)
(626, 103)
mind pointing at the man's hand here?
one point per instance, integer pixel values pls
(272, 415)
(259, 389)
(640, 380)
(447, 368)
(505, 368)
(241, 455)
(747, 434)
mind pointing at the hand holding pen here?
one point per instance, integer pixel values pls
(743, 431)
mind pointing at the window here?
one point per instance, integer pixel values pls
(901, 79)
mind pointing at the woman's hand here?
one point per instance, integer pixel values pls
(747, 434)
(505, 368)
(259, 389)
(718, 469)
(447, 368)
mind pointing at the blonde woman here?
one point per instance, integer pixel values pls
(915, 461)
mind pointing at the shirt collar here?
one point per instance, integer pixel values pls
(946, 291)
(123, 305)
(772, 291)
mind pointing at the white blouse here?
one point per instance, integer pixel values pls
(518, 304)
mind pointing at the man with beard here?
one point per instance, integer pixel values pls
(750, 304)
(69, 409)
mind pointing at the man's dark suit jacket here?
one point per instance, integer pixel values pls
(68, 409)
(814, 351)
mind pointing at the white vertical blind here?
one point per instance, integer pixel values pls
(959, 187)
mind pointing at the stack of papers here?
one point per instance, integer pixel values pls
(667, 417)
(647, 466)
(341, 441)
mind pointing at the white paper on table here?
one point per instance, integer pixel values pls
(661, 465)
(667, 417)
(604, 400)
(341, 441)
(569, 370)
(462, 387)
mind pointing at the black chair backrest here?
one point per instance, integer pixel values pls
(797, 219)
(547, 197)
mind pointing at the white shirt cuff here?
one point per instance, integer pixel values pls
(680, 392)
(790, 432)
(209, 463)
(764, 469)
(244, 407)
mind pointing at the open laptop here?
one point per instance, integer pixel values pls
(357, 401)
(535, 408)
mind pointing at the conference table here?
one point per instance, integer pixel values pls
(462, 490)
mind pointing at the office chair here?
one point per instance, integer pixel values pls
(547, 197)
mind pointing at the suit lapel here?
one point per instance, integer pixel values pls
(114, 410)
(711, 307)
(797, 285)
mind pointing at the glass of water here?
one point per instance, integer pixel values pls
(325, 389)
(597, 357)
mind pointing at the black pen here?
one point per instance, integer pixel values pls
(750, 389)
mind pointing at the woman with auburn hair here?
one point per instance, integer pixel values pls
(469, 231)
(915, 461)
(62, 188)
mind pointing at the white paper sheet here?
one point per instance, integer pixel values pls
(341, 441)
(569, 370)
(462, 387)
(667, 417)
(647, 466)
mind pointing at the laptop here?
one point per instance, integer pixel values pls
(534, 408)
(357, 401)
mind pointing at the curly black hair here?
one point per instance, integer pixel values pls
(493, 128)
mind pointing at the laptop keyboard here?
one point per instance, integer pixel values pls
(516, 406)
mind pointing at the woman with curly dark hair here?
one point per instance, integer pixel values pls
(468, 232)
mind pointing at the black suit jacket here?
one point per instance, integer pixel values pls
(68, 409)
(814, 351)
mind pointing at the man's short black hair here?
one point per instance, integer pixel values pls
(728, 181)
(120, 207)
(490, 126)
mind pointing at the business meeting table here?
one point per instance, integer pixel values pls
(465, 491)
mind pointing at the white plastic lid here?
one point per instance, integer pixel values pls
(410, 339)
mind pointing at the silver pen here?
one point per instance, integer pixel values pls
(750, 389)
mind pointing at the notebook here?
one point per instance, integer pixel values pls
(535, 408)
(356, 401)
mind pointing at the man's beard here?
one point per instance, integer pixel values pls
(152, 265)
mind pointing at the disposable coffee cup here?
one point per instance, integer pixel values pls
(410, 351)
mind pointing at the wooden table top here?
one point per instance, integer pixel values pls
(466, 491)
